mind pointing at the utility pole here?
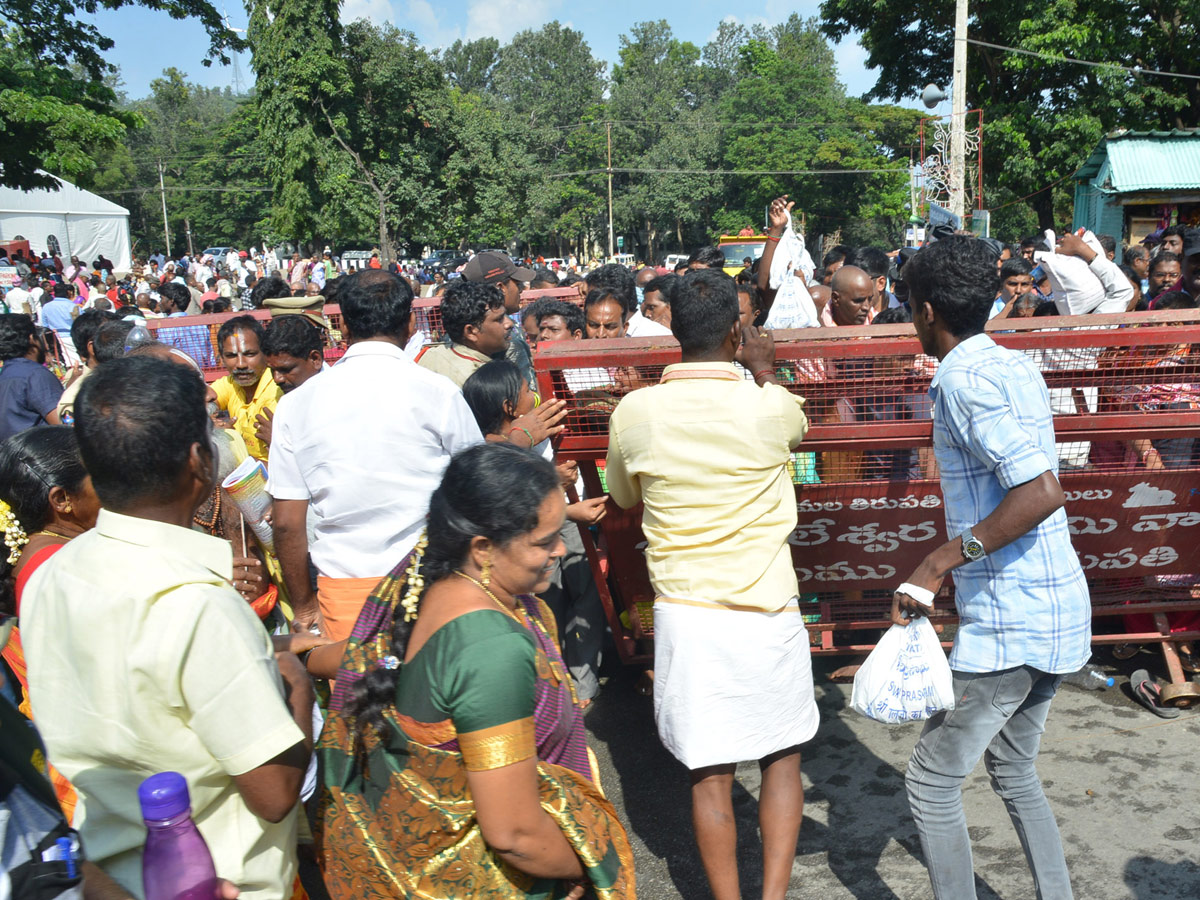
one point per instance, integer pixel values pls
(162, 189)
(958, 115)
(608, 128)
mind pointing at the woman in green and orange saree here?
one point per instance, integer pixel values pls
(454, 755)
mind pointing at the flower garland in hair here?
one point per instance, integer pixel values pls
(414, 584)
(415, 580)
(14, 535)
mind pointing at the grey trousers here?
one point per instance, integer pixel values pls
(999, 716)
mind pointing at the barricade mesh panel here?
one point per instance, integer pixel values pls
(197, 336)
(1125, 393)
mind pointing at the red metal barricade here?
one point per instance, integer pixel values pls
(197, 336)
(867, 493)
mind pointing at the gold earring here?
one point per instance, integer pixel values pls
(67, 509)
(487, 572)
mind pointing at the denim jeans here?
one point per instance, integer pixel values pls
(999, 716)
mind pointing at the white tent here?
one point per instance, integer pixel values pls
(71, 221)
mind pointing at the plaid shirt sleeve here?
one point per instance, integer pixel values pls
(988, 429)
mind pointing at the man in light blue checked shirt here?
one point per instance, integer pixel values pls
(1023, 605)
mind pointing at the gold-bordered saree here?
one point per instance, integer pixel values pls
(403, 825)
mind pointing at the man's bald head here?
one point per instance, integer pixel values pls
(848, 278)
(645, 276)
(851, 294)
(820, 295)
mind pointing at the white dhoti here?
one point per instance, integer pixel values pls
(731, 685)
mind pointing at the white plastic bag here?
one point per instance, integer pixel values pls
(793, 306)
(906, 678)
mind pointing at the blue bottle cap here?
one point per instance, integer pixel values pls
(164, 796)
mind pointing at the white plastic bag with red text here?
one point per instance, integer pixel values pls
(906, 678)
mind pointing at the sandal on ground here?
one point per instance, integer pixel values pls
(1147, 692)
(1125, 651)
(1187, 659)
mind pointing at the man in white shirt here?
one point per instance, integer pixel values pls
(365, 445)
(637, 325)
(17, 297)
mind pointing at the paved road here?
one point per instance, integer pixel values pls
(1121, 781)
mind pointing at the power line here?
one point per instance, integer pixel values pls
(176, 187)
(627, 171)
(1137, 70)
(1057, 181)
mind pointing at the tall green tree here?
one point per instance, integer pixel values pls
(1042, 116)
(391, 127)
(657, 104)
(302, 82)
(56, 105)
(788, 111)
(486, 172)
(549, 78)
(550, 90)
(470, 65)
(205, 139)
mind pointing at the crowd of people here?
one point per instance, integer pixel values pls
(392, 679)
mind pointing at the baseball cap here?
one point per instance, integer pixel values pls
(493, 267)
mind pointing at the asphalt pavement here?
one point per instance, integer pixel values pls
(1121, 781)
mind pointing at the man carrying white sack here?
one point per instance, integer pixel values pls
(1023, 606)
(1085, 282)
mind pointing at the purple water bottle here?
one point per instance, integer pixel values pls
(176, 864)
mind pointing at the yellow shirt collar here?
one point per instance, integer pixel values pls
(718, 370)
(214, 554)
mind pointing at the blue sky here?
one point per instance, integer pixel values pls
(148, 41)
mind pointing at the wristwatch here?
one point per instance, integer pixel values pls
(972, 548)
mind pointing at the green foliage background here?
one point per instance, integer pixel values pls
(357, 135)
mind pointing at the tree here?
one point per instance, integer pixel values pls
(655, 104)
(486, 173)
(549, 89)
(1042, 116)
(392, 126)
(549, 77)
(302, 80)
(470, 66)
(56, 106)
(790, 81)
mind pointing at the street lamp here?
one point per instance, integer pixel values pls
(933, 95)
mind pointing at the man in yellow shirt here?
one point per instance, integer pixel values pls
(477, 322)
(706, 451)
(249, 390)
(143, 657)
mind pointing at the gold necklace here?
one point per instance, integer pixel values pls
(479, 584)
(47, 531)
